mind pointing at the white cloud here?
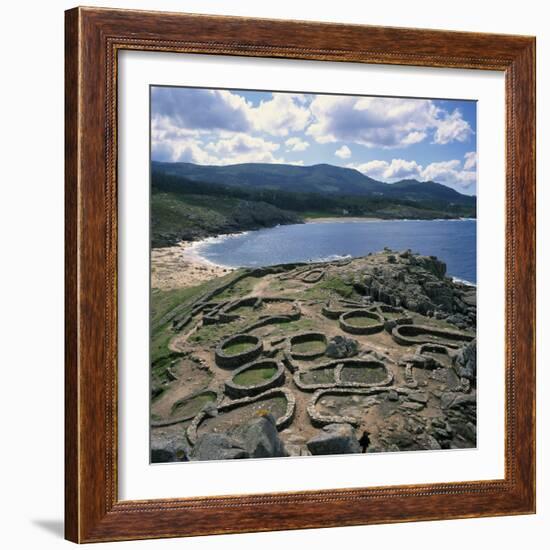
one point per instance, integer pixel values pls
(239, 148)
(280, 115)
(344, 152)
(395, 170)
(181, 150)
(243, 148)
(449, 172)
(470, 161)
(199, 110)
(383, 122)
(296, 144)
(452, 128)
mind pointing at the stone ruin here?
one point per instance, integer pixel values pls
(298, 369)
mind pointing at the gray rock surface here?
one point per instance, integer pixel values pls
(213, 446)
(419, 283)
(258, 438)
(340, 347)
(465, 361)
(261, 438)
(169, 447)
(334, 439)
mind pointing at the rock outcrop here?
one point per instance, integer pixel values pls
(334, 439)
(465, 362)
(419, 283)
(169, 447)
(377, 355)
(257, 438)
(341, 347)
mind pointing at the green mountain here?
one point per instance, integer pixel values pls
(190, 202)
(320, 179)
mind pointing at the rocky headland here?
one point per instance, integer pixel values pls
(372, 354)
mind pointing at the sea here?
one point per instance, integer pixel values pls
(453, 241)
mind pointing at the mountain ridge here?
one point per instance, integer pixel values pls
(324, 179)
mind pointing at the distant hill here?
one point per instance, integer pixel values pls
(190, 202)
(322, 179)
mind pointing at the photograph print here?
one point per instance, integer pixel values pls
(313, 274)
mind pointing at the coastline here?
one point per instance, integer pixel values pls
(178, 266)
(181, 265)
(342, 219)
(360, 219)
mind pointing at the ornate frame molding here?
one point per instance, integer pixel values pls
(93, 39)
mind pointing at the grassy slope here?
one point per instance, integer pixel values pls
(165, 301)
(176, 216)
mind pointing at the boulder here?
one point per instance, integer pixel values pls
(418, 360)
(470, 299)
(258, 438)
(450, 400)
(393, 396)
(169, 447)
(340, 347)
(334, 439)
(261, 439)
(418, 397)
(465, 361)
(214, 446)
(440, 293)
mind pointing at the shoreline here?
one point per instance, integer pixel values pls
(182, 266)
(342, 219)
(360, 219)
(178, 266)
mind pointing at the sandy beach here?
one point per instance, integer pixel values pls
(177, 267)
(342, 220)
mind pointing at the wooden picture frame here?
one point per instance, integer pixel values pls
(93, 511)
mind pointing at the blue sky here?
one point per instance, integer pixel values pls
(388, 139)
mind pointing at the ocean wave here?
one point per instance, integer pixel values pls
(330, 258)
(464, 282)
(196, 246)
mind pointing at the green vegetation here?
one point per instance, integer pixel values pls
(328, 286)
(189, 406)
(236, 349)
(362, 321)
(253, 376)
(216, 333)
(162, 303)
(295, 326)
(177, 216)
(239, 289)
(165, 306)
(309, 346)
(364, 375)
(319, 376)
(393, 314)
(252, 196)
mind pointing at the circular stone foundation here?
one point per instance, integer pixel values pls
(408, 335)
(393, 316)
(281, 422)
(307, 345)
(363, 373)
(361, 321)
(313, 276)
(255, 378)
(238, 350)
(189, 406)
